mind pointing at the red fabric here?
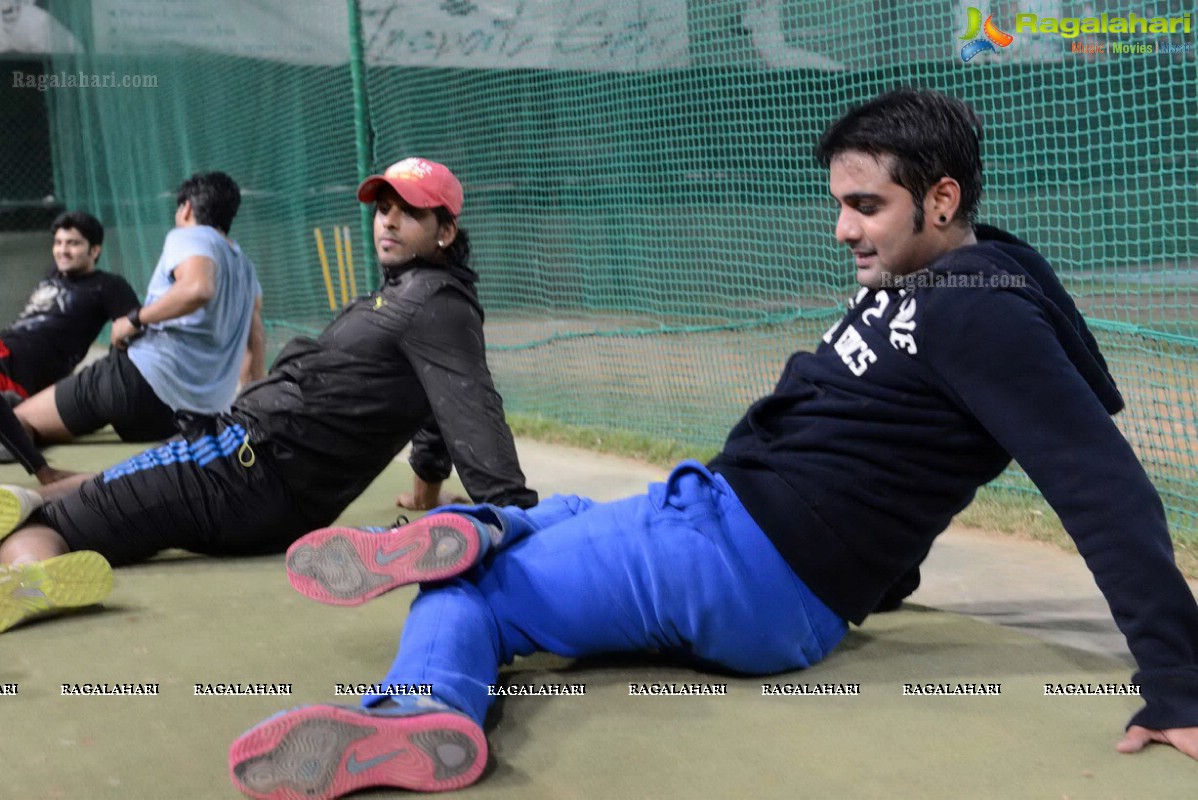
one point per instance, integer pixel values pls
(7, 384)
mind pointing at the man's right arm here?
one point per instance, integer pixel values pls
(194, 285)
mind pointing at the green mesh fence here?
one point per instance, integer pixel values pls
(653, 234)
(26, 181)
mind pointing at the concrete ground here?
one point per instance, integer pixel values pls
(183, 620)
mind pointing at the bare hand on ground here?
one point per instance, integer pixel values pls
(426, 495)
(1137, 737)
(409, 501)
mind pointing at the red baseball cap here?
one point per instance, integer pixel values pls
(423, 183)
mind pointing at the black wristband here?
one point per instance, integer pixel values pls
(134, 318)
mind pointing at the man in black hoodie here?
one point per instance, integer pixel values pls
(960, 352)
(405, 362)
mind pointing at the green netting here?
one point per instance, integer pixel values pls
(653, 234)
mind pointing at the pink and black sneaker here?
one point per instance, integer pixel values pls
(325, 751)
(348, 566)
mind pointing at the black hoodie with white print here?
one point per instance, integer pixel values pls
(924, 392)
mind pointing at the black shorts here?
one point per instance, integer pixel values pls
(212, 493)
(112, 391)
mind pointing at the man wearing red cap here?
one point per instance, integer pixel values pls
(425, 184)
(406, 362)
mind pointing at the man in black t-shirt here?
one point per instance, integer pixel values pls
(63, 316)
(66, 310)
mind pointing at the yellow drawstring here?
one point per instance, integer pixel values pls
(245, 448)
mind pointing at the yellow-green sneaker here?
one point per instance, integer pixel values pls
(40, 588)
(16, 504)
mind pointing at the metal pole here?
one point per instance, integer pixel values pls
(357, 67)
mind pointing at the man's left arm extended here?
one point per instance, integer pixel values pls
(194, 285)
(445, 347)
(999, 355)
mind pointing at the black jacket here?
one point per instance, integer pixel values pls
(335, 410)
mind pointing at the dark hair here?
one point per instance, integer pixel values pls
(458, 251)
(929, 134)
(85, 223)
(214, 198)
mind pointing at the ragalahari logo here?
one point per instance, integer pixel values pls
(991, 35)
